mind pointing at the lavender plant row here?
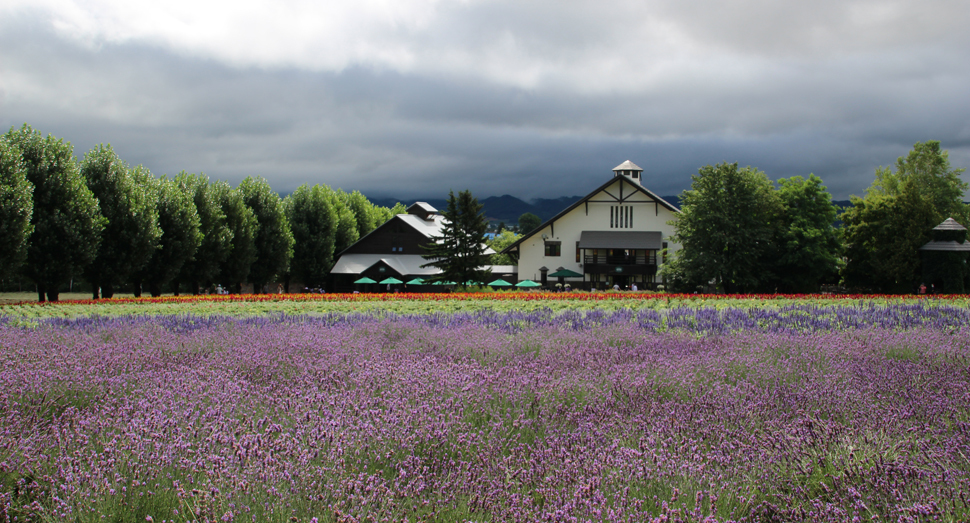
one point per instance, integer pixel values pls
(703, 321)
(807, 414)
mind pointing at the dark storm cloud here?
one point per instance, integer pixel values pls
(504, 98)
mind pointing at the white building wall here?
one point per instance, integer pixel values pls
(568, 229)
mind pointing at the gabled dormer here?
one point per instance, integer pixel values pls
(423, 210)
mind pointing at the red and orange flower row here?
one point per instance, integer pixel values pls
(501, 296)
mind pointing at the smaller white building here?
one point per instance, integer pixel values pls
(617, 235)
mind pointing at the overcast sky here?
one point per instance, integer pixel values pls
(411, 98)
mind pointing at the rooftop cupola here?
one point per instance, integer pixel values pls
(629, 169)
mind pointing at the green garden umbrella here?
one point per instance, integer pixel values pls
(365, 280)
(500, 283)
(416, 281)
(528, 283)
(389, 281)
(566, 273)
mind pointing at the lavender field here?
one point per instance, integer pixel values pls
(801, 413)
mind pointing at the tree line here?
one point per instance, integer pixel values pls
(111, 224)
(740, 233)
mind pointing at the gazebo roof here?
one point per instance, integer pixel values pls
(949, 224)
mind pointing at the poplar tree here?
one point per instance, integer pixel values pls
(203, 268)
(131, 234)
(16, 208)
(346, 233)
(66, 221)
(364, 211)
(314, 224)
(180, 239)
(234, 268)
(274, 238)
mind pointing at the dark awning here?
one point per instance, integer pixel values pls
(651, 240)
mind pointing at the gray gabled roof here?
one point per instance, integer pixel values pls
(429, 228)
(585, 199)
(627, 166)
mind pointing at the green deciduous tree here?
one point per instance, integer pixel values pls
(16, 208)
(528, 223)
(807, 242)
(131, 234)
(346, 232)
(502, 240)
(241, 221)
(727, 223)
(382, 214)
(217, 238)
(459, 251)
(364, 211)
(66, 220)
(274, 239)
(179, 223)
(884, 230)
(314, 224)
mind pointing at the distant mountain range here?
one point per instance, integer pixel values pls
(508, 208)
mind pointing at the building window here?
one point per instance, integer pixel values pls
(621, 217)
(577, 252)
(553, 248)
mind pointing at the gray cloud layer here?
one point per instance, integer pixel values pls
(535, 99)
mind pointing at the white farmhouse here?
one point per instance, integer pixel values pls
(616, 235)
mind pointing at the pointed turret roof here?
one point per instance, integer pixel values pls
(949, 224)
(627, 166)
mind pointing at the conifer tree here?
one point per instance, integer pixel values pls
(459, 251)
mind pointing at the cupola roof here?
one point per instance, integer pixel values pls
(627, 166)
(949, 224)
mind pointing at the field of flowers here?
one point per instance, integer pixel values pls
(244, 305)
(803, 411)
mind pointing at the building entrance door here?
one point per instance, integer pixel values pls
(622, 281)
